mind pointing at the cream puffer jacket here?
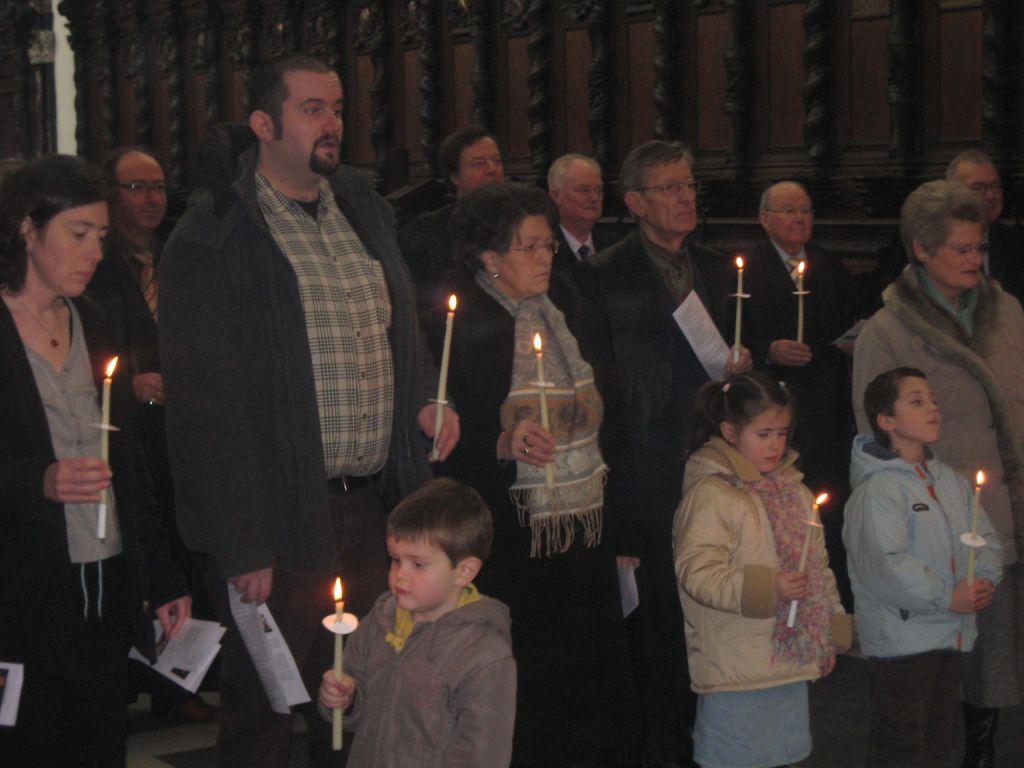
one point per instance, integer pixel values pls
(725, 573)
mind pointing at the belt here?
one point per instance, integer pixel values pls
(347, 483)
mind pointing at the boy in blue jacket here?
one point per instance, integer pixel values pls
(908, 568)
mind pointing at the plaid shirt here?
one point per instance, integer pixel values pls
(348, 314)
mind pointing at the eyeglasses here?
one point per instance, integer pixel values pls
(141, 187)
(531, 251)
(790, 211)
(674, 188)
(586, 189)
(967, 249)
(982, 187)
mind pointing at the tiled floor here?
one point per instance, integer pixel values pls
(839, 720)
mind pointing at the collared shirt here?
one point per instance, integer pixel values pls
(674, 268)
(963, 314)
(72, 413)
(787, 260)
(574, 244)
(348, 314)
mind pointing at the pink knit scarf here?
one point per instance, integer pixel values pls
(810, 641)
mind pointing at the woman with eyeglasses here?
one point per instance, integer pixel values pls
(550, 490)
(946, 317)
(73, 599)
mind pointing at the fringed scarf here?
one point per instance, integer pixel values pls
(575, 412)
(810, 640)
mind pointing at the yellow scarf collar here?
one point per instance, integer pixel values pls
(404, 623)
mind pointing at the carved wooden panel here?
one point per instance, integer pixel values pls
(867, 112)
(364, 153)
(959, 84)
(574, 91)
(462, 66)
(639, 104)
(714, 130)
(516, 131)
(412, 69)
(785, 76)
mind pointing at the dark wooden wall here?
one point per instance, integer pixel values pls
(860, 99)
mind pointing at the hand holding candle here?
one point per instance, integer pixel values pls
(811, 522)
(101, 515)
(549, 479)
(972, 539)
(740, 296)
(800, 293)
(442, 380)
(341, 624)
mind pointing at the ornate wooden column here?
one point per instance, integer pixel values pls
(596, 14)
(997, 86)
(737, 104)
(902, 72)
(537, 18)
(667, 70)
(90, 44)
(818, 80)
(165, 78)
(372, 39)
(483, 73)
(428, 28)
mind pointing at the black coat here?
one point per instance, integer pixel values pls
(581, 274)
(34, 559)
(425, 243)
(824, 428)
(658, 374)
(1006, 257)
(567, 630)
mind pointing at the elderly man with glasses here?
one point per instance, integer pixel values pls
(1005, 259)
(813, 368)
(641, 280)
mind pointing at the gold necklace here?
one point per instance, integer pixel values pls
(53, 339)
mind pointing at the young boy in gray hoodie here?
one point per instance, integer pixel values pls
(908, 568)
(429, 675)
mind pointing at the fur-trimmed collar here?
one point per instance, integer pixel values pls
(947, 339)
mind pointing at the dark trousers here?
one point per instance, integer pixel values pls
(251, 733)
(72, 708)
(916, 721)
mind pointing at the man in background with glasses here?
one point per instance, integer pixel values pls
(813, 368)
(1005, 259)
(641, 281)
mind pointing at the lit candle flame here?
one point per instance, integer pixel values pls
(801, 267)
(979, 478)
(537, 344)
(822, 498)
(337, 590)
(452, 302)
(110, 367)
(739, 262)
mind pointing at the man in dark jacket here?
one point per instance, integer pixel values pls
(813, 368)
(1005, 260)
(468, 158)
(577, 189)
(297, 385)
(641, 280)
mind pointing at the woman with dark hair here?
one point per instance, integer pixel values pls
(946, 317)
(553, 560)
(73, 600)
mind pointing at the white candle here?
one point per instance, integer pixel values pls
(339, 610)
(442, 380)
(549, 475)
(975, 513)
(739, 305)
(812, 523)
(800, 268)
(101, 512)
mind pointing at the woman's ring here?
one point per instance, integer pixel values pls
(526, 450)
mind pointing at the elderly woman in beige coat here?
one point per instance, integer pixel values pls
(945, 316)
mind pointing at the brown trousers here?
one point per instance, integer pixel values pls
(916, 720)
(251, 733)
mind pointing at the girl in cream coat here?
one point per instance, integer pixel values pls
(738, 537)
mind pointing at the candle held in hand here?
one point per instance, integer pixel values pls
(739, 306)
(549, 475)
(339, 610)
(101, 512)
(811, 522)
(442, 380)
(800, 293)
(975, 514)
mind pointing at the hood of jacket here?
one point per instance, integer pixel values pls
(869, 457)
(717, 457)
